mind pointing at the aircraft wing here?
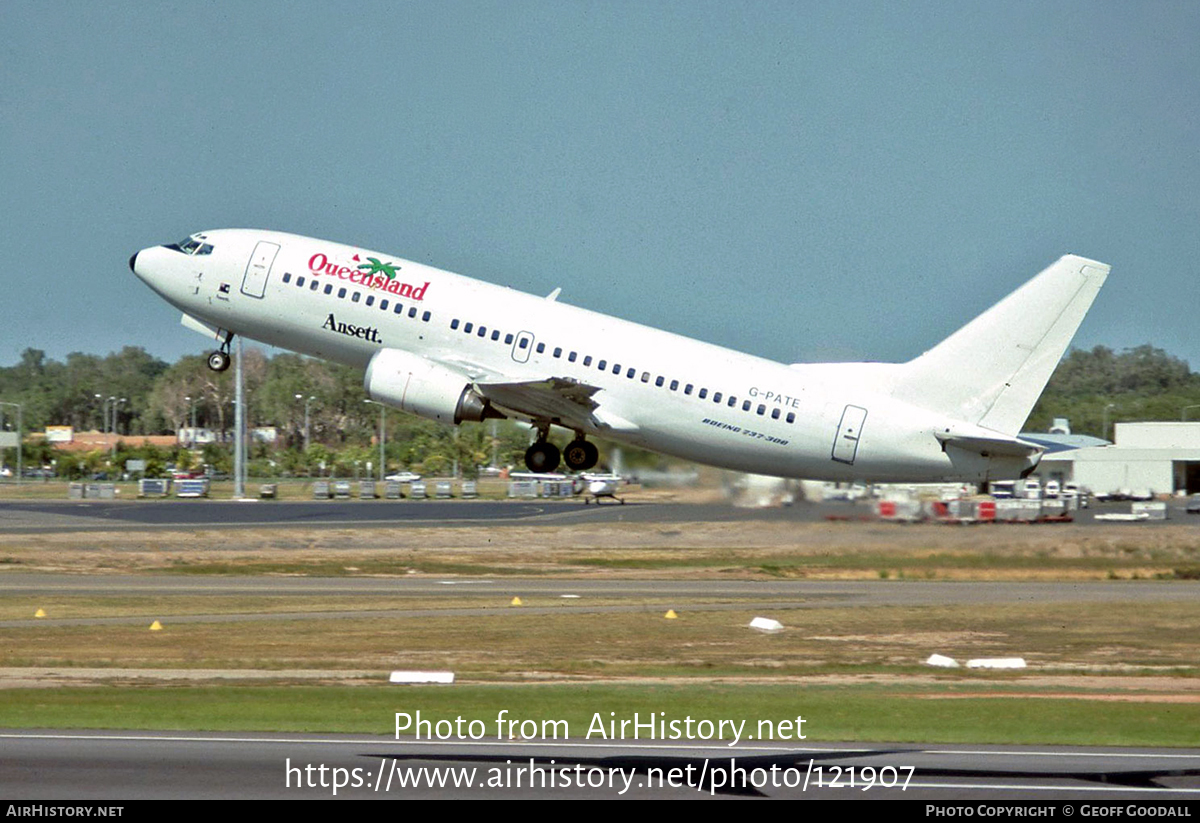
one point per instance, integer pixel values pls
(558, 399)
(563, 401)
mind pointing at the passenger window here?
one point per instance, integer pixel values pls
(658, 381)
(425, 317)
(287, 277)
(716, 397)
(703, 393)
(687, 389)
(745, 405)
(774, 414)
(616, 368)
(645, 377)
(399, 309)
(354, 297)
(524, 342)
(370, 300)
(674, 385)
(541, 347)
(495, 334)
(791, 418)
(558, 351)
(508, 338)
(571, 357)
(412, 312)
(329, 288)
(483, 331)
(602, 365)
(467, 328)
(732, 401)
(761, 408)
(383, 304)
(315, 285)
(341, 293)
(587, 361)
(300, 281)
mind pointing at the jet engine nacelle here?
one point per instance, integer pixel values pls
(415, 384)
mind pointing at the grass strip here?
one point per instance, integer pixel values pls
(831, 714)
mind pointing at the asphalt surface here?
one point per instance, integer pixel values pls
(32, 516)
(62, 515)
(129, 766)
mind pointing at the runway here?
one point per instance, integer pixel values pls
(47, 765)
(33, 516)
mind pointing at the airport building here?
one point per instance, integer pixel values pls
(1156, 458)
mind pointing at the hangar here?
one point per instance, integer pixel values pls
(1161, 458)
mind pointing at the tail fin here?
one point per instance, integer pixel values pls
(993, 370)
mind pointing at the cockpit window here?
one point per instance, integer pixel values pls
(190, 245)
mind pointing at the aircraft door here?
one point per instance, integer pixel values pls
(258, 269)
(845, 443)
(522, 346)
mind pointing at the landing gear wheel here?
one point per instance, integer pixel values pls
(542, 457)
(218, 361)
(580, 455)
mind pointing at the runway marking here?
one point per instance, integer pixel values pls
(850, 752)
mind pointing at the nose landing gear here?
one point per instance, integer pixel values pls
(218, 360)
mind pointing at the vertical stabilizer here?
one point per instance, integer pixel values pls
(992, 371)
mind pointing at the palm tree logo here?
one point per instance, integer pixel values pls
(375, 266)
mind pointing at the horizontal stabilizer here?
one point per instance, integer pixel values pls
(991, 446)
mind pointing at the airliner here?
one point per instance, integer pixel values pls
(454, 349)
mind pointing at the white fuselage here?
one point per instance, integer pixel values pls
(318, 298)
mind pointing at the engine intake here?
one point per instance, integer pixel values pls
(415, 384)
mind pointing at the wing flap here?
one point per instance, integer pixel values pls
(557, 399)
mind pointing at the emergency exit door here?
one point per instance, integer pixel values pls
(845, 444)
(522, 346)
(254, 283)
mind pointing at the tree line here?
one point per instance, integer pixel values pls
(143, 395)
(1099, 387)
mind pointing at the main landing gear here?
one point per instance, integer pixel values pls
(543, 456)
(580, 455)
(219, 360)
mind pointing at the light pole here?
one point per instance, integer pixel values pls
(20, 467)
(382, 435)
(113, 431)
(239, 424)
(188, 399)
(307, 401)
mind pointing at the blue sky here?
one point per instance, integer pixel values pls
(804, 181)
